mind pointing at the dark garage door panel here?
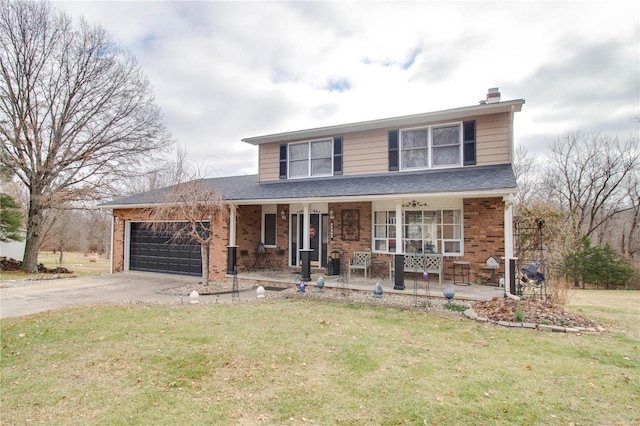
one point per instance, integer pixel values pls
(152, 252)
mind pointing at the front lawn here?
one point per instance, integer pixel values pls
(296, 362)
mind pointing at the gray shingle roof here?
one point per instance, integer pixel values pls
(245, 189)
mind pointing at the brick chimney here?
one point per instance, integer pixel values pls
(493, 95)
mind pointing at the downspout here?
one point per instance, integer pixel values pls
(508, 222)
(113, 219)
(232, 248)
(508, 244)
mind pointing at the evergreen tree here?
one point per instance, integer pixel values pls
(597, 266)
(10, 219)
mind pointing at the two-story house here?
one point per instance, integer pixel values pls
(437, 182)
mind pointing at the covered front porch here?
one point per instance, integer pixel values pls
(413, 286)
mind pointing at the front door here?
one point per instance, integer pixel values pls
(317, 239)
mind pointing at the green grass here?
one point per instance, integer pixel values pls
(80, 264)
(296, 361)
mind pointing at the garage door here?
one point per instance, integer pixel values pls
(156, 252)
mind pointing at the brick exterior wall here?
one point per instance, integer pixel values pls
(217, 250)
(346, 248)
(483, 236)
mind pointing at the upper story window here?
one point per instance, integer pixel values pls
(447, 145)
(311, 158)
(431, 147)
(314, 158)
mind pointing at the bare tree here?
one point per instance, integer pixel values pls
(76, 112)
(587, 177)
(525, 168)
(630, 240)
(166, 173)
(202, 209)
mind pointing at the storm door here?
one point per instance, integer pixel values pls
(318, 239)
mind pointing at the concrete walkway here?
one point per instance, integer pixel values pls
(357, 282)
(25, 297)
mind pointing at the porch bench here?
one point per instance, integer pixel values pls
(360, 260)
(429, 262)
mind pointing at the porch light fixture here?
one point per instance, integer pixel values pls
(332, 215)
(283, 215)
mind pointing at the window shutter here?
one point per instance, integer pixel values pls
(469, 141)
(394, 151)
(337, 156)
(283, 161)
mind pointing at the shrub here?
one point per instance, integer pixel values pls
(597, 266)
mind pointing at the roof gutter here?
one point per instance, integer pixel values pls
(335, 199)
(403, 121)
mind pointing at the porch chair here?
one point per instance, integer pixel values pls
(278, 260)
(418, 263)
(360, 260)
(248, 264)
(433, 265)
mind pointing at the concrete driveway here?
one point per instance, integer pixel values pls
(19, 298)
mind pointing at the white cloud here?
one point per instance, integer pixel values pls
(223, 71)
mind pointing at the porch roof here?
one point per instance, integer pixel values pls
(494, 180)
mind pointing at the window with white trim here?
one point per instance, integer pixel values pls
(424, 231)
(269, 231)
(314, 158)
(384, 239)
(437, 146)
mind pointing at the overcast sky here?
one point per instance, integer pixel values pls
(223, 71)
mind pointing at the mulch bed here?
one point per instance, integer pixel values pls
(531, 311)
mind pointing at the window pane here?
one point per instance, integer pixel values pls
(415, 139)
(321, 149)
(380, 231)
(451, 216)
(299, 151)
(449, 135)
(413, 217)
(452, 246)
(449, 155)
(380, 218)
(415, 158)
(448, 231)
(381, 245)
(270, 229)
(321, 167)
(298, 168)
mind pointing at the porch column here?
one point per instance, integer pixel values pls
(399, 256)
(305, 253)
(508, 242)
(232, 248)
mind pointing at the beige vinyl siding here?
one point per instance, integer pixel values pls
(492, 139)
(367, 152)
(269, 162)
